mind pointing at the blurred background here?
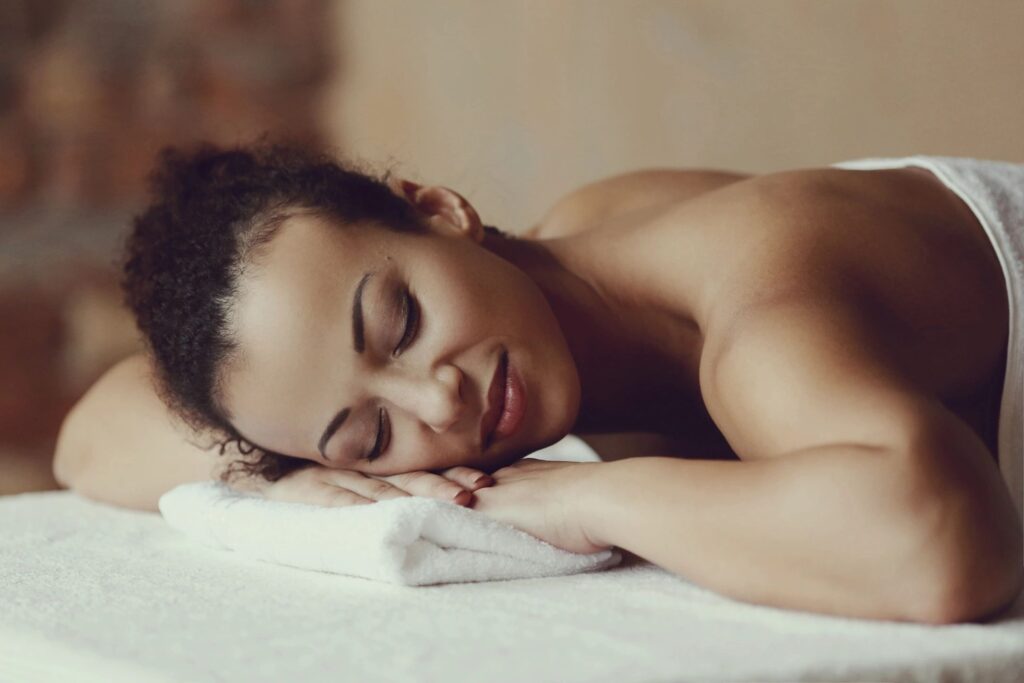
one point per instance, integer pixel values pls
(513, 103)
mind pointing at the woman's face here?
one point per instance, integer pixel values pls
(298, 369)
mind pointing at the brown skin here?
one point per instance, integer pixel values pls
(836, 337)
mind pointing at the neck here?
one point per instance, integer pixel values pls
(633, 358)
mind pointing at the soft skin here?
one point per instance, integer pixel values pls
(827, 346)
(473, 305)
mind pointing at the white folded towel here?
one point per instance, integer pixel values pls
(411, 541)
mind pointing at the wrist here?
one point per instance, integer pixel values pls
(592, 500)
(618, 496)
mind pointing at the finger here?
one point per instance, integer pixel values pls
(431, 485)
(468, 478)
(340, 497)
(362, 485)
(323, 493)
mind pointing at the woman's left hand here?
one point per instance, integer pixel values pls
(543, 498)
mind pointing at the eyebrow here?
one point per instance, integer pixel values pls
(359, 344)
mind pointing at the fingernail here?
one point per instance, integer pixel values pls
(484, 480)
(463, 497)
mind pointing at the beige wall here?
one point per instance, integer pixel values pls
(514, 103)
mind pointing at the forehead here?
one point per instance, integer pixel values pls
(304, 270)
(290, 314)
(309, 244)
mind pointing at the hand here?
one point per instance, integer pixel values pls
(317, 485)
(542, 498)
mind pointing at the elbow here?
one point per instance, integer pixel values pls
(974, 571)
(975, 588)
(971, 597)
(74, 451)
(966, 561)
(69, 452)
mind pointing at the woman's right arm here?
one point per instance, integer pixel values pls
(121, 445)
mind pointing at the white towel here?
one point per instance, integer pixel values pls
(411, 541)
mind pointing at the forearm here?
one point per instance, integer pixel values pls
(838, 530)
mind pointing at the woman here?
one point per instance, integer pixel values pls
(828, 344)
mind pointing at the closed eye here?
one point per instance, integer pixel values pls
(383, 436)
(411, 314)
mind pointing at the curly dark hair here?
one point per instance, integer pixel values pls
(213, 210)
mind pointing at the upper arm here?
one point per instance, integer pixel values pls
(809, 372)
(814, 373)
(120, 444)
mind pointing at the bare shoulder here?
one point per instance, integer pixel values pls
(597, 202)
(810, 370)
(834, 321)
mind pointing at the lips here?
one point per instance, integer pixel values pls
(495, 401)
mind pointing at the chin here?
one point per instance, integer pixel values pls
(495, 463)
(506, 459)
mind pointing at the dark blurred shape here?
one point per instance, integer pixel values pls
(90, 90)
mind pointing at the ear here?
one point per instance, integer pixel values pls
(406, 189)
(444, 209)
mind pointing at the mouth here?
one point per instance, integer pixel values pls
(507, 403)
(495, 401)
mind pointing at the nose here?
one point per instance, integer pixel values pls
(435, 398)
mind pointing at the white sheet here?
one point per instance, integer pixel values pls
(96, 593)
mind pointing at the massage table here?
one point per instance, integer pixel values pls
(97, 593)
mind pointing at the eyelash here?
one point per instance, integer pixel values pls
(412, 318)
(378, 445)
